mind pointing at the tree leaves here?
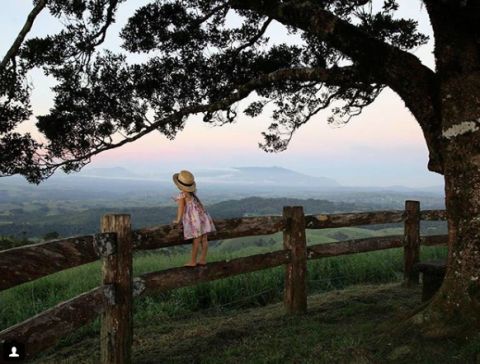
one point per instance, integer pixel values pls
(200, 57)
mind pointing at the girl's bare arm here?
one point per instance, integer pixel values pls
(180, 210)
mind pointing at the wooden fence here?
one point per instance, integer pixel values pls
(115, 244)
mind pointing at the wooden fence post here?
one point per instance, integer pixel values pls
(295, 294)
(117, 327)
(411, 242)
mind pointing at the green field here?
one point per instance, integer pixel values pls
(246, 290)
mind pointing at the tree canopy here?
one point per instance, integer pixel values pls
(199, 61)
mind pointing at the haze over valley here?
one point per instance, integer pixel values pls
(73, 204)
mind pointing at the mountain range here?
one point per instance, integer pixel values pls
(249, 176)
(119, 186)
(236, 175)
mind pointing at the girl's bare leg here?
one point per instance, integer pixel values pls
(193, 260)
(203, 257)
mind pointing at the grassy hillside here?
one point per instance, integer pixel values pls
(255, 289)
(337, 272)
(319, 236)
(352, 325)
(37, 219)
(260, 288)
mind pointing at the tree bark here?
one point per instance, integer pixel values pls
(455, 309)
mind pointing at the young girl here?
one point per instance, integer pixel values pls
(195, 218)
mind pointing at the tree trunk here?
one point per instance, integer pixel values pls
(455, 308)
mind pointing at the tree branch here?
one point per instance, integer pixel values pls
(389, 65)
(12, 52)
(103, 31)
(255, 38)
(331, 76)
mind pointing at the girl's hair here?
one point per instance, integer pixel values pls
(198, 200)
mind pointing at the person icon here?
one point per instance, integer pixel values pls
(13, 354)
(12, 351)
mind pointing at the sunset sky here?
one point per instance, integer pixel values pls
(383, 146)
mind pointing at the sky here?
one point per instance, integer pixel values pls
(383, 146)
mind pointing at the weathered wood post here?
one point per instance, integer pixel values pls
(411, 242)
(117, 327)
(295, 294)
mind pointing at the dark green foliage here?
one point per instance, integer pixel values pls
(12, 242)
(199, 63)
(51, 235)
(274, 206)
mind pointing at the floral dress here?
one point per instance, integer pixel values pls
(196, 220)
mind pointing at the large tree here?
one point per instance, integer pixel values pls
(204, 56)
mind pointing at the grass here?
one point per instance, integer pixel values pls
(256, 289)
(342, 326)
(320, 236)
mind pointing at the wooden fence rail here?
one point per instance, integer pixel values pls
(115, 243)
(353, 219)
(44, 330)
(171, 235)
(431, 240)
(26, 263)
(184, 276)
(117, 271)
(433, 215)
(294, 240)
(354, 246)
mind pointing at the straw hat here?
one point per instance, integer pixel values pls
(185, 181)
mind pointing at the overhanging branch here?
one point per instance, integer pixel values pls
(389, 65)
(102, 33)
(331, 76)
(380, 59)
(12, 52)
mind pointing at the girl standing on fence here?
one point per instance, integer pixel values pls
(193, 215)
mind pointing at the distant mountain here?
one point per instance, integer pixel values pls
(114, 172)
(262, 176)
(104, 186)
(247, 179)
